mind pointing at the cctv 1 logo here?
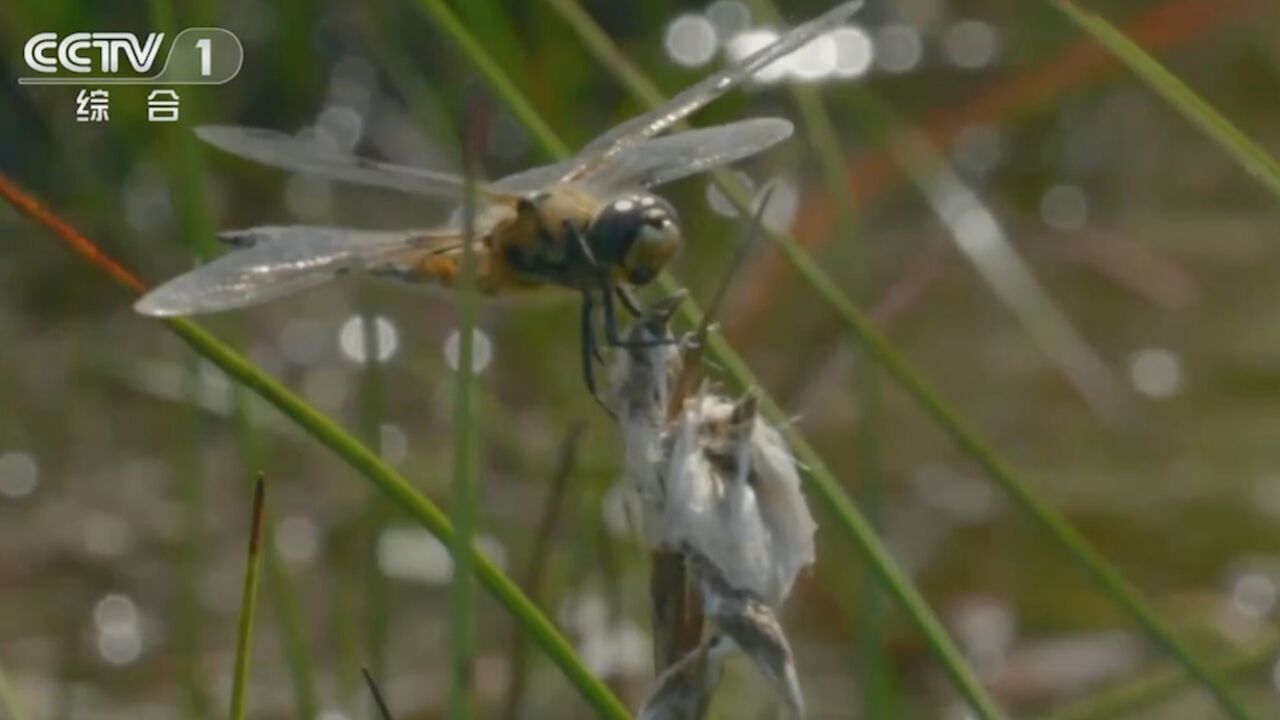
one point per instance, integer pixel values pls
(196, 56)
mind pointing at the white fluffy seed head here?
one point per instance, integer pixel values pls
(731, 492)
(640, 383)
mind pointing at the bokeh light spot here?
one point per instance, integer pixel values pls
(481, 350)
(351, 339)
(19, 474)
(690, 40)
(1064, 207)
(1156, 373)
(898, 48)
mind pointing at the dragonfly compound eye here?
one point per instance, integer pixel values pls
(638, 234)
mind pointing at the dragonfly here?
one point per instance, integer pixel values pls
(589, 223)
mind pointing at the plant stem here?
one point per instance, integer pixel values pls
(329, 434)
(534, 577)
(1104, 575)
(465, 495)
(1255, 161)
(248, 601)
(284, 604)
(377, 591)
(829, 490)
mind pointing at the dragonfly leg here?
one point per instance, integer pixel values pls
(629, 301)
(596, 352)
(611, 328)
(591, 351)
(574, 233)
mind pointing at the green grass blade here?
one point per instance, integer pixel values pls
(409, 501)
(379, 702)
(190, 552)
(297, 657)
(184, 157)
(534, 576)
(360, 458)
(876, 690)
(1104, 575)
(248, 603)
(1108, 579)
(987, 247)
(855, 524)
(493, 74)
(183, 163)
(465, 496)
(1256, 161)
(829, 490)
(376, 585)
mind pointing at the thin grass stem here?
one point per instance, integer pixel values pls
(465, 493)
(384, 711)
(534, 577)
(1112, 583)
(877, 686)
(284, 603)
(248, 604)
(376, 584)
(829, 490)
(182, 161)
(1255, 161)
(280, 589)
(329, 434)
(494, 75)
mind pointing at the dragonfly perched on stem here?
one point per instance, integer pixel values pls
(588, 223)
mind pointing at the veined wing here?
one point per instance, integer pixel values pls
(532, 179)
(665, 159)
(599, 152)
(313, 157)
(272, 262)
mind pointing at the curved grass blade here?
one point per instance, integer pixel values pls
(502, 85)
(359, 457)
(850, 518)
(465, 498)
(534, 577)
(1106, 576)
(379, 702)
(984, 244)
(248, 603)
(1256, 161)
(983, 240)
(691, 365)
(877, 687)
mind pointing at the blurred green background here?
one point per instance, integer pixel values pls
(1083, 275)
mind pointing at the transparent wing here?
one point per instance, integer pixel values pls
(533, 179)
(665, 159)
(599, 152)
(313, 157)
(272, 262)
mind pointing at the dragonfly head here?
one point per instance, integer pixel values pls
(636, 235)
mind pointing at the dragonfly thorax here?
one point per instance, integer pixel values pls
(636, 235)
